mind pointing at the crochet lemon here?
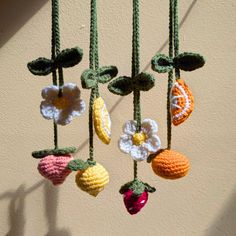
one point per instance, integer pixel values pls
(92, 180)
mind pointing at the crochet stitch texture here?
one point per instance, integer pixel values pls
(92, 180)
(170, 164)
(182, 102)
(55, 168)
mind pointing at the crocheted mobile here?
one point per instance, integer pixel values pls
(62, 103)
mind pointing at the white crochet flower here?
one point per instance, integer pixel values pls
(140, 145)
(62, 108)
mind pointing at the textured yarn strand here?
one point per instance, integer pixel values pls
(94, 65)
(96, 54)
(137, 109)
(54, 52)
(55, 26)
(135, 170)
(53, 49)
(91, 148)
(135, 40)
(57, 41)
(93, 49)
(176, 35)
(136, 62)
(170, 75)
(135, 70)
(55, 135)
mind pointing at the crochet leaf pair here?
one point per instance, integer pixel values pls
(186, 61)
(56, 152)
(90, 78)
(124, 85)
(66, 58)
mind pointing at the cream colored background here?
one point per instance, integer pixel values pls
(204, 203)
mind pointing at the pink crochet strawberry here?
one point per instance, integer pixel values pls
(135, 195)
(55, 168)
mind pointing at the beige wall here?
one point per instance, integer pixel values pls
(204, 203)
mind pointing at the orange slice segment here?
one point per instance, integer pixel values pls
(182, 102)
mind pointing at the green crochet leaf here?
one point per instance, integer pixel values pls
(91, 162)
(40, 66)
(77, 164)
(121, 86)
(138, 187)
(144, 81)
(88, 79)
(149, 189)
(162, 63)
(150, 157)
(153, 155)
(69, 57)
(57, 152)
(106, 73)
(124, 188)
(189, 61)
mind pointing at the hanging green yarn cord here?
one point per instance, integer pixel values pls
(93, 65)
(61, 102)
(135, 72)
(93, 177)
(139, 138)
(170, 76)
(168, 163)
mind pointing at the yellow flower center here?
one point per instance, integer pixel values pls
(139, 138)
(60, 103)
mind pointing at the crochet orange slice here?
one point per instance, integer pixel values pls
(170, 164)
(182, 102)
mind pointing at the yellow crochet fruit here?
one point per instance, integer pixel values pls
(102, 121)
(170, 164)
(92, 180)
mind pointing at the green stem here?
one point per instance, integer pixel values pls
(94, 65)
(55, 135)
(135, 170)
(170, 75)
(91, 102)
(136, 70)
(93, 49)
(176, 35)
(54, 52)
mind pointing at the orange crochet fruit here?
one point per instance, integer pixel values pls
(182, 102)
(170, 164)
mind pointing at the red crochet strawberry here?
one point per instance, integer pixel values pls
(55, 168)
(134, 203)
(135, 195)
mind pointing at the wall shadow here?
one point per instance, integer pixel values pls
(16, 217)
(16, 209)
(225, 223)
(51, 195)
(14, 14)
